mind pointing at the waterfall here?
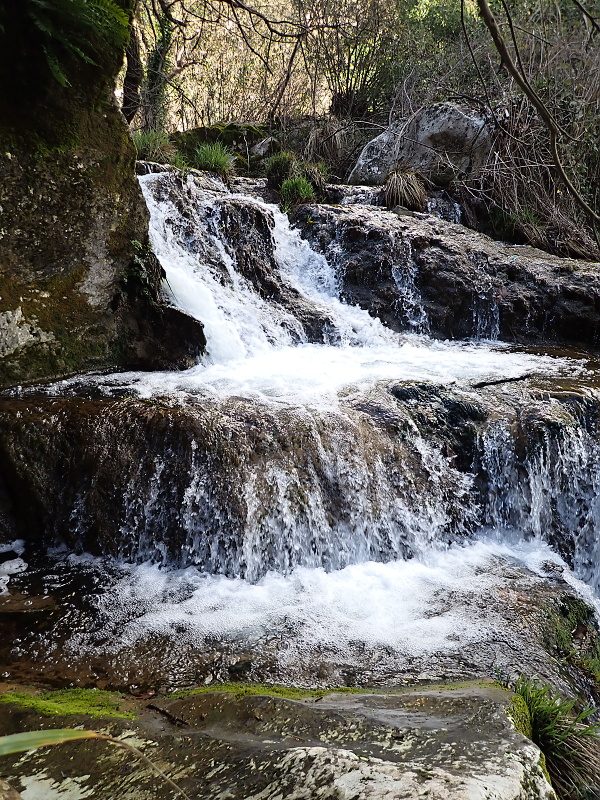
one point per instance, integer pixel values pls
(319, 487)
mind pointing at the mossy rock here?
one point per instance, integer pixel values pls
(72, 212)
(68, 702)
(237, 136)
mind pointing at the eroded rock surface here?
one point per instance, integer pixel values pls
(452, 743)
(422, 273)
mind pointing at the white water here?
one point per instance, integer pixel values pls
(256, 348)
(259, 349)
(372, 617)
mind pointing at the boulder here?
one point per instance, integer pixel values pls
(79, 288)
(447, 743)
(443, 142)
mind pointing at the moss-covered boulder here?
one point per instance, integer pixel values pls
(72, 217)
(237, 136)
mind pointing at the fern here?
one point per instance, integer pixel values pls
(84, 29)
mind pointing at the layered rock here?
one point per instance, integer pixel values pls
(417, 272)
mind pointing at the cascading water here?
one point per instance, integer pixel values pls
(317, 452)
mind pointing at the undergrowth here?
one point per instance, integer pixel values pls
(153, 146)
(405, 188)
(570, 744)
(214, 157)
(295, 191)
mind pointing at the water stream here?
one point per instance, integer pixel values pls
(343, 529)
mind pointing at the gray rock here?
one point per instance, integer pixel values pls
(265, 147)
(442, 141)
(422, 273)
(447, 742)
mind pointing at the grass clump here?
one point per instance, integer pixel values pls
(571, 746)
(279, 167)
(214, 157)
(405, 188)
(153, 146)
(65, 702)
(295, 191)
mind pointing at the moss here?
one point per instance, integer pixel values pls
(67, 702)
(572, 634)
(518, 711)
(57, 308)
(270, 690)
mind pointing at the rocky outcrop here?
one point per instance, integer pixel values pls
(296, 473)
(450, 742)
(442, 142)
(77, 287)
(417, 272)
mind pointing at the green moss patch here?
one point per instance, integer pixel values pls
(518, 711)
(571, 632)
(270, 690)
(67, 702)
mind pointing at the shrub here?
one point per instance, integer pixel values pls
(405, 188)
(153, 146)
(571, 746)
(279, 167)
(295, 191)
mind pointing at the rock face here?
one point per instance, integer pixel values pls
(296, 473)
(442, 142)
(452, 743)
(78, 289)
(421, 273)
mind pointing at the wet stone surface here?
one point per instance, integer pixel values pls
(449, 742)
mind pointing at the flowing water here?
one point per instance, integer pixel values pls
(356, 535)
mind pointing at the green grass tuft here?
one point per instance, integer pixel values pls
(65, 702)
(295, 191)
(153, 146)
(214, 158)
(279, 167)
(570, 745)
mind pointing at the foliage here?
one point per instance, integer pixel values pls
(279, 166)
(569, 743)
(214, 157)
(84, 29)
(180, 161)
(32, 740)
(295, 191)
(554, 48)
(153, 145)
(405, 188)
(92, 702)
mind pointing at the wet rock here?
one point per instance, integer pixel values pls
(442, 142)
(7, 792)
(425, 274)
(450, 742)
(73, 218)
